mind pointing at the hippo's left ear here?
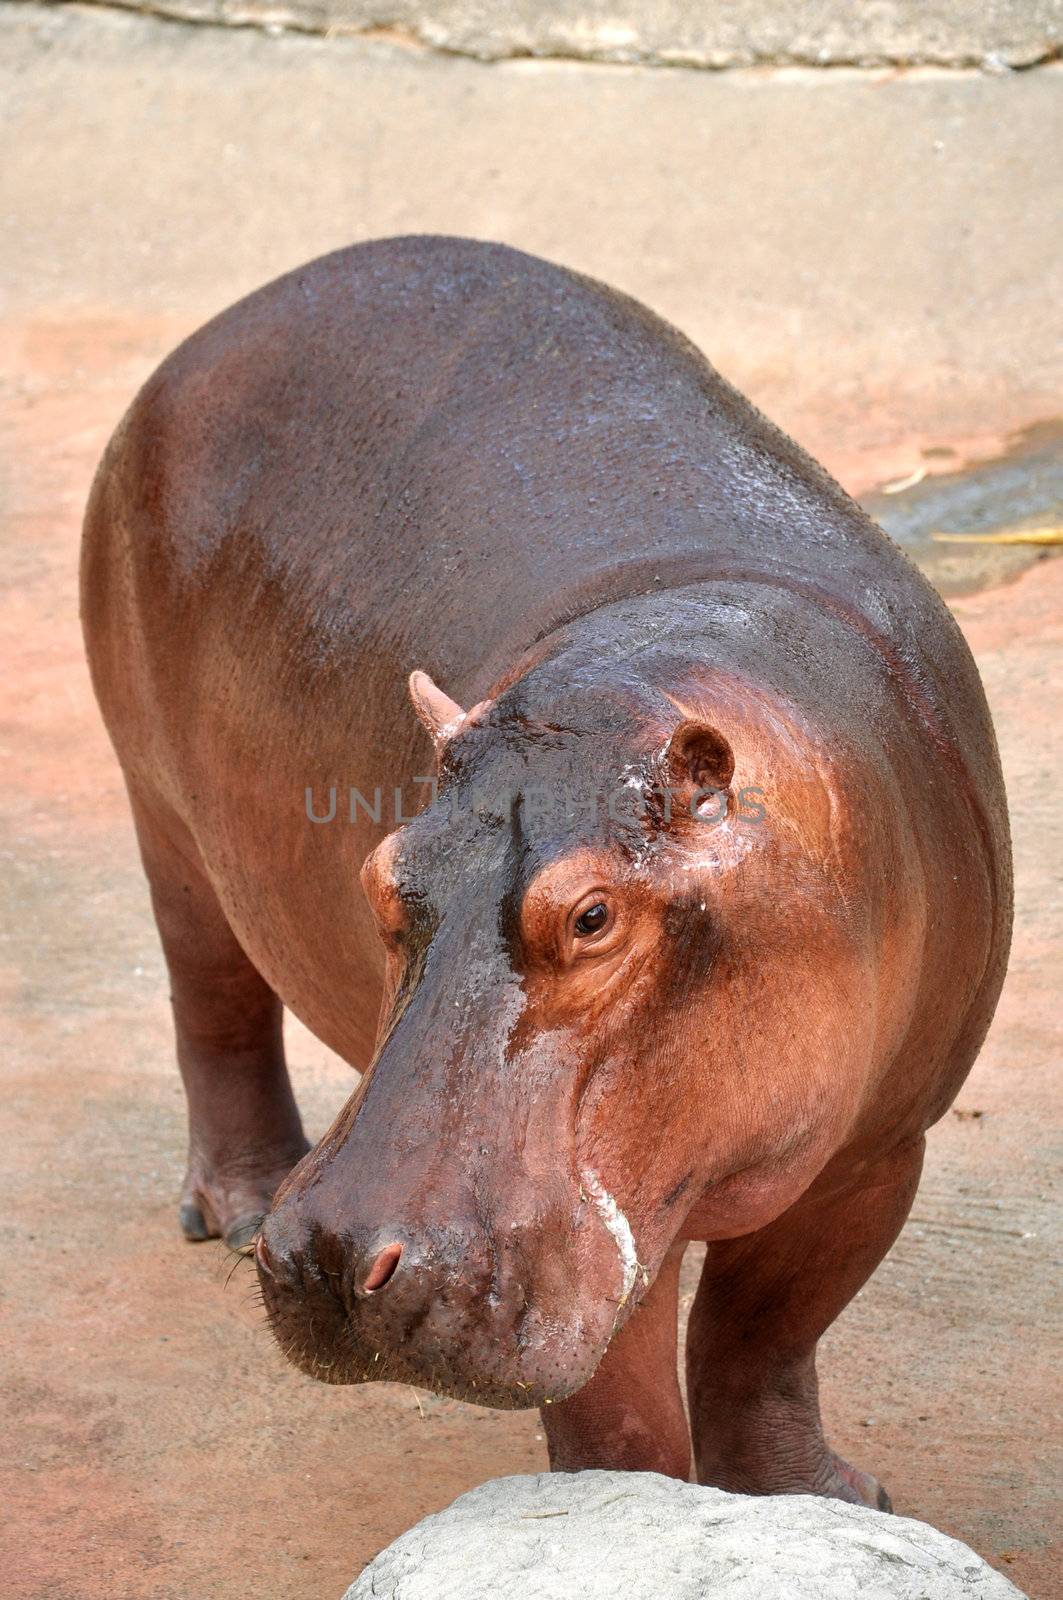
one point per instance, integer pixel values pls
(699, 757)
(442, 716)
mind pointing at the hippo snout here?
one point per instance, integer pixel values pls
(495, 1317)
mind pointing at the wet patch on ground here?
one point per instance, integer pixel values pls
(1018, 492)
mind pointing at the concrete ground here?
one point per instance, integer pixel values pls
(874, 258)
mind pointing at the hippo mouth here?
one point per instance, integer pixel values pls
(431, 1366)
(455, 1349)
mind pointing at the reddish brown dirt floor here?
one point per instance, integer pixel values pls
(155, 1444)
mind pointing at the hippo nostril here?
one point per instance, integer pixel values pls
(275, 1261)
(263, 1259)
(382, 1269)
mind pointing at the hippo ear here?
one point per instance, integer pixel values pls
(699, 757)
(441, 715)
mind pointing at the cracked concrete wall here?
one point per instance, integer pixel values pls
(996, 34)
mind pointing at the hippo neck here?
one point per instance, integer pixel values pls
(635, 588)
(646, 610)
(633, 648)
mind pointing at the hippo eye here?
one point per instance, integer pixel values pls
(573, 912)
(591, 921)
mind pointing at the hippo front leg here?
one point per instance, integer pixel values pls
(244, 1130)
(763, 1302)
(629, 1417)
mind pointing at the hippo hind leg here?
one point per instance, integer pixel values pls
(245, 1133)
(762, 1304)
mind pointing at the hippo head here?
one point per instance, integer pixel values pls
(505, 1182)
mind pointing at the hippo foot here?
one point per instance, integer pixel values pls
(784, 1461)
(834, 1479)
(858, 1488)
(228, 1200)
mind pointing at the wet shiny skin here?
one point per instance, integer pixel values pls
(430, 454)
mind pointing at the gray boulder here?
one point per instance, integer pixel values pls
(638, 1536)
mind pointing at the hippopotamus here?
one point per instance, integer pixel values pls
(499, 691)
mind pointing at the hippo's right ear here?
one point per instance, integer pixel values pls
(442, 716)
(699, 761)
